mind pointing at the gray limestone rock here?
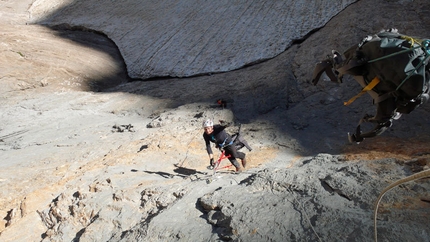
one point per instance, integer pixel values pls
(188, 38)
(67, 177)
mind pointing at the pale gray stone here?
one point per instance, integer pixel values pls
(193, 37)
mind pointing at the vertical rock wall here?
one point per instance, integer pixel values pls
(187, 38)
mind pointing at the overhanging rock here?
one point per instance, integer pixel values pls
(193, 37)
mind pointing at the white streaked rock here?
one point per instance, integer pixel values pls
(187, 38)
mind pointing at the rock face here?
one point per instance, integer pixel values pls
(194, 37)
(87, 155)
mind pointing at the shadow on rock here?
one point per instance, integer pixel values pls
(160, 173)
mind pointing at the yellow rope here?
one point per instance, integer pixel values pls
(410, 39)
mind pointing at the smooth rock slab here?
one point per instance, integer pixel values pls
(187, 38)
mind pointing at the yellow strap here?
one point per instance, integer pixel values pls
(367, 88)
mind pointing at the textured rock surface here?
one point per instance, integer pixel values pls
(82, 162)
(307, 203)
(187, 38)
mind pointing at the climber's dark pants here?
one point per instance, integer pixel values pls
(232, 151)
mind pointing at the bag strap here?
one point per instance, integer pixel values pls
(324, 66)
(367, 88)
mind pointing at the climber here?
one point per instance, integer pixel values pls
(216, 134)
(393, 68)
